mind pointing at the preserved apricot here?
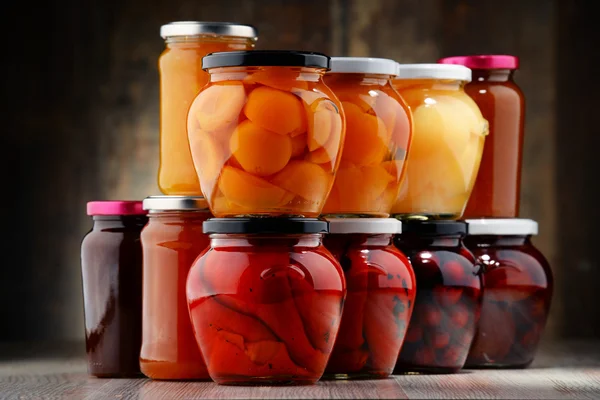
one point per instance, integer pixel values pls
(258, 150)
(279, 140)
(378, 132)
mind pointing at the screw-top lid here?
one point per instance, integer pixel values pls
(175, 203)
(265, 225)
(434, 228)
(502, 226)
(496, 61)
(434, 71)
(365, 225)
(265, 58)
(363, 65)
(195, 28)
(115, 207)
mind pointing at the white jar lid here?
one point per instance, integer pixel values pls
(365, 225)
(363, 65)
(434, 71)
(500, 226)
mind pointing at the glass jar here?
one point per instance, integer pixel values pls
(266, 133)
(378, 133)
(448, 137)
(171, 241)
(502, 103)
(517, 292)
(181, 78)
(111, 271)
(380, 296)
(448, 301)
(266, 300)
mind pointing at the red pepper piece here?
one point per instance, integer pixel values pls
(347, 361)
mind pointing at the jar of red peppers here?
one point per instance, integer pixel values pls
(517, 292)
(266, 300)
(172, 240)
(502, 103)
(448, 300)
(380, 297)
(111, 269)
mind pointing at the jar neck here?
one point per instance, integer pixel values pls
(429, 84)
(281, 73)
(357, 79)
(194, 41)
(102, 222)
(179, 215)
(363, 239)
(413, 241)
(497, 241)
(492, 75)
(266, 241)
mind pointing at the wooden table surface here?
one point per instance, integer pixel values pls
(561, 371)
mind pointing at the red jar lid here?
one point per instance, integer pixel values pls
(496, 61)
(115, 207)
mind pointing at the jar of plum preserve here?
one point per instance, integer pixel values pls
(171, 242)
(448, 302)
(517, 292)
(266, 133)
(111, 269)
(181, 78)
(266, 300)
(380, 298)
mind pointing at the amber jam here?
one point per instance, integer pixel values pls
(266, 300)
(381, 294)
(448, 300)
(517, 292)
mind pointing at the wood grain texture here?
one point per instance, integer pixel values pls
(519, 28)
(562, 370)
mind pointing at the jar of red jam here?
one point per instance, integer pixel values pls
(502, 103)
(448, 300)
(171, 241)
(111, 269)
(380, 298)
(266, 300)
(517, 292)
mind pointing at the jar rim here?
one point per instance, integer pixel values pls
(265, 58)
(434, 227)
(434, 71)
(195, 28)
(115, 207)
(502, 226)
(363, 65)
(175, 203)
(265, 225)
(364, 225)
(484, 61)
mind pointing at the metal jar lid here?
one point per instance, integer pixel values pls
(175, 203)
(195, 28)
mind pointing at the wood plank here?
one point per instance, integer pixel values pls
(525, 29)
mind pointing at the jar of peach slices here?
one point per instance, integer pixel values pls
(266, 133)
(447, 143)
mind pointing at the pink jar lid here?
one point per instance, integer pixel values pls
(115, 207)
(499, 61)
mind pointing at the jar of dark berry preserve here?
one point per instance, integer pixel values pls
(381, 293)
(448, 302)
(265, 300)
(517, 292)
(111, 267)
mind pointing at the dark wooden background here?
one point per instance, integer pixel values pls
(80, 111)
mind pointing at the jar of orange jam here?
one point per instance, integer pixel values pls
(378, 133)
(181, 78)
(266, 133)
(171, 241)
(449, 132)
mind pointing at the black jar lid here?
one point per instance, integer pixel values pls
(265, 225)
(434, 228)
(265, 58)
